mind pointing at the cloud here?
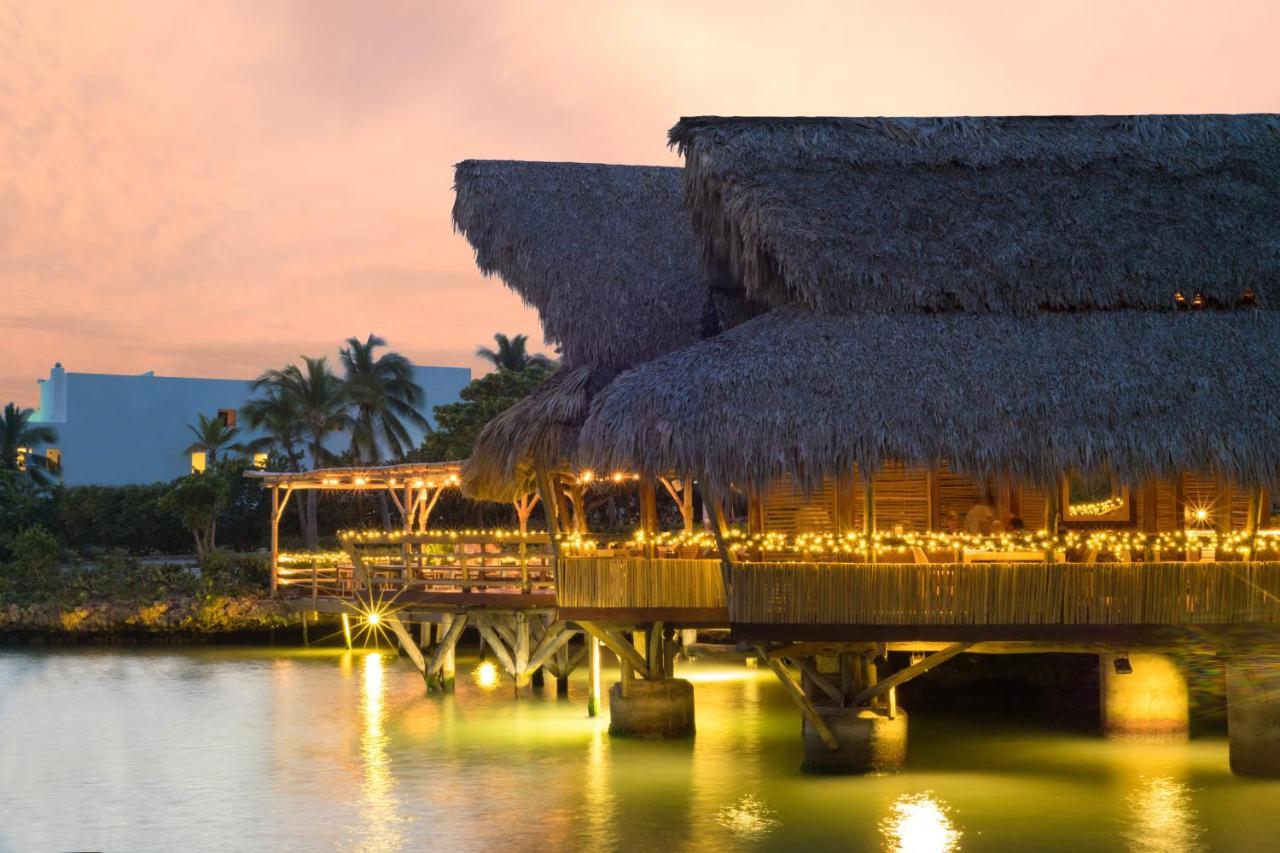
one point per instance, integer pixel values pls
(215, 187)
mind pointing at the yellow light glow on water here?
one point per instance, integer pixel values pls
(378, 802)
(485, 675)
(1163, 820)
(747, 818)
(918, 823)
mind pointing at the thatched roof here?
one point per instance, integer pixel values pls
(540, 429)
(1137, 392)
(988, 214)
(604, 253)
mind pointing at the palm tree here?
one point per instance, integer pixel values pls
(319, 401)
(385, 398)
(276, 416)
(513, 354)
(19, 438)
(212, 437)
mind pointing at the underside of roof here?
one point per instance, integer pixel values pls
(1139, 394)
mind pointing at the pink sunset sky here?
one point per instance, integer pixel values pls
(211, 188)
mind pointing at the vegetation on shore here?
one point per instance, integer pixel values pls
(100, 559)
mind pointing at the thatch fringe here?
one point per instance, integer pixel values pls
(540, 429)
(604, 253)
(1003, 214)
(1140, 394)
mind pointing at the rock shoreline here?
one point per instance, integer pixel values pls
(174, 618)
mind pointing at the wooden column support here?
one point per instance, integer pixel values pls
(797, 694)
(905, 675)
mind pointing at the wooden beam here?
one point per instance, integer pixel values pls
(552, 641)
(819, 680)
(807, 709)
(447, 643)
(618, 645)
(499, 648)
(904, 675)
(720, 530)
(406, 641)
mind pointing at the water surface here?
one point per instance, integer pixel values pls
(268, 749)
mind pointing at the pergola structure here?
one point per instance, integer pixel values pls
(414, 488)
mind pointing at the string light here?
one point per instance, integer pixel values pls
(1095, 507)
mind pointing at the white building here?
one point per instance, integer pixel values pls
(117, 429)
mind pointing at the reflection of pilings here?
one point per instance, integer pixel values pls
(1253, 713)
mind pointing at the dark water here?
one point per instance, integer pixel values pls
(218, 749)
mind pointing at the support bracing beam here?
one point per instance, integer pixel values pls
(902, 676)
(819, 680)
(447, 643)
(552, 641)
(619, 645)
(498, 646)
(406, 642)
(797, 694)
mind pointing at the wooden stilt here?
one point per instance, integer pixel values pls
(593, 677)
(275, 540)
(797, 694)
(902, 676)
(522, 653)
(346, 630)
(406, 642)
(306, 642)
(617, 644)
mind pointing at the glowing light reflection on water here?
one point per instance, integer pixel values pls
(920, 823)
(273, 749)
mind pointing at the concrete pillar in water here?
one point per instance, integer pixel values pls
(659, 708)
(1149, 704)
(870, 741)
(1253, 714)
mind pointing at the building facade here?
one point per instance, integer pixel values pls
(116, 429)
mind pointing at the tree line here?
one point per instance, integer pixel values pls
(300, 415)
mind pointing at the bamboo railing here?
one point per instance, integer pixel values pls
(1006, 593)
(432, 562)
(638, 582)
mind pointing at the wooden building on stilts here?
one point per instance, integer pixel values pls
(941, 386)
(983, 384)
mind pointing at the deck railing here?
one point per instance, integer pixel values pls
(639, 583)
(1177, 593)
(429, 562)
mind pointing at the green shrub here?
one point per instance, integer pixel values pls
(32, 571)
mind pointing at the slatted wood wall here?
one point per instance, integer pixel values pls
(903, 500)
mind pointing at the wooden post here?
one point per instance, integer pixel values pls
(933, 487)
(653, 651)
(869, 513)
(1251, 523)
(448, 665)
(648, 513)
(275, 539)
(306, 642)
(720, 529)
(346, 630)
(521, 655)
(593, 678)
(1052, 512)
(550, 507)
